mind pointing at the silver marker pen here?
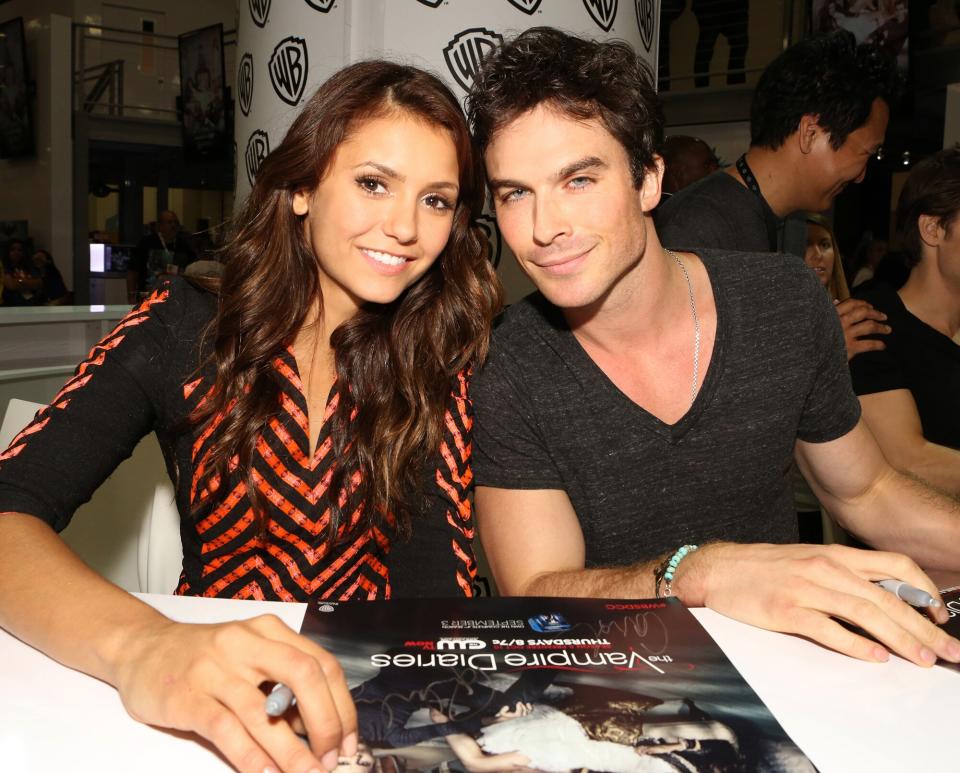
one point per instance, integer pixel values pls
(279, 700)
(913, 596)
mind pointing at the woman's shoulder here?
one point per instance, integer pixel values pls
(180, 302)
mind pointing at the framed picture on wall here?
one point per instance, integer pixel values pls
(203, 92)
(16, 117)
(882, 23)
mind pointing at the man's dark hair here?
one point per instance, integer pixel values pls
(933, 188)
(828, 76)
(581, 78)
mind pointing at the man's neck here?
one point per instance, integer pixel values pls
(775, 181)
(655, 342)
(640, 307)
(932, 299)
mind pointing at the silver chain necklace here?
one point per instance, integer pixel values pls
(696, 326)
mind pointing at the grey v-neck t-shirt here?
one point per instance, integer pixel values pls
(547, 417)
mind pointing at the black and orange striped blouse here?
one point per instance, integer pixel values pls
(143, 377)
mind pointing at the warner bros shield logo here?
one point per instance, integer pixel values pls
(527, 6)
(488, 224)
(603, 12)
(646, 21)
(258, 147)
(288, 69)
(245, 83)
(259, 11)
(321, 5)
(465, 53)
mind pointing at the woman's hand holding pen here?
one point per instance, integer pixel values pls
(806, 589)
(206, 679)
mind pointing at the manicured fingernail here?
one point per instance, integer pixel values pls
(927, 655)
(349, 746)
(331, 759)
(880, 654)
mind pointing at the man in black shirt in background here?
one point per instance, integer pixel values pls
(910, 392)
(819, 112)
(164, 251)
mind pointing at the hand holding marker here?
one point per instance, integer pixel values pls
(912, 596)
(279, 700)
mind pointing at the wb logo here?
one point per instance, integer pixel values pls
(488, 224)
(259, 11)
(245, 83)
(645, 21)
(288, 69)
(603, 12)
(527, 6)
(465, 53)
(258, 147)
(321, 5)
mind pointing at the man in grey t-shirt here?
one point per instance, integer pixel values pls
(646, 401)
(819, 112)
(640, 483)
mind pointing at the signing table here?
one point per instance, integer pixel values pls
(846, 715)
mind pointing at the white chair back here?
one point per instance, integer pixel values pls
(130, 530)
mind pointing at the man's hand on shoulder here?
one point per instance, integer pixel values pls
(858, 319)
(806, 589)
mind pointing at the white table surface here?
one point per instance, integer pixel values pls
(846, 715)
(41, 315)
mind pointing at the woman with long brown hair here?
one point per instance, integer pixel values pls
(313, 412)
(822, 255)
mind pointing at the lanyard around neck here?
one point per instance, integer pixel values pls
(754, 187)
(163, 241)
(747, 174)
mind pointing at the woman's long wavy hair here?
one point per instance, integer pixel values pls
(395, 363)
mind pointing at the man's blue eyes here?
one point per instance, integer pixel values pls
(518, 193)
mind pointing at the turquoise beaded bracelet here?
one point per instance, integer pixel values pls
(669, 569)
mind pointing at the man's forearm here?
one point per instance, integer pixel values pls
(635, 581)
(907, 515)
(894, 420)
(937, 465)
